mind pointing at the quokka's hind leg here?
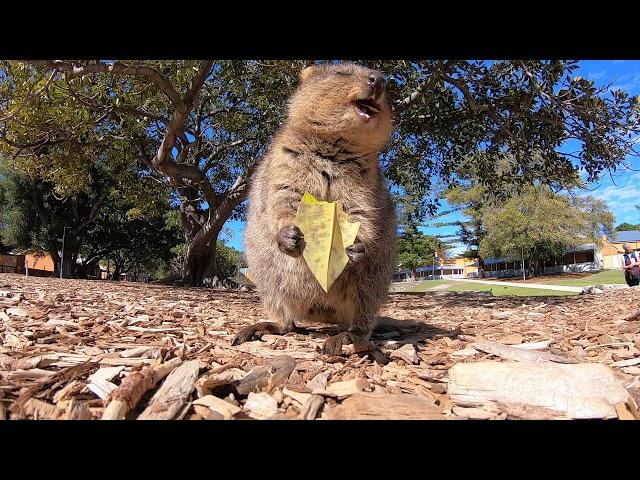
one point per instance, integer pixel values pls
(350, 314)
(358, 336)
(283, 322)
(360, 333)
(257, 330)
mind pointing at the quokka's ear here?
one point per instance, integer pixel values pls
(308, 72)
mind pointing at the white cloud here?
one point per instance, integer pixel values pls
(596, 75)
(617, 193)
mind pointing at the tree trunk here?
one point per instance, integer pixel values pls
(413, 274)
(55, 256)
(69, 261)
(82, 271)
(116, 273)
(200, 265)
(68, 265)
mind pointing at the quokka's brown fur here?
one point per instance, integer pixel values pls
(328, 148)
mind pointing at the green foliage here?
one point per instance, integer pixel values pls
(473, 114)
(139, 245)
(466, 116)
(539, 224)
(228, 258)
(627, 226)
(416, 249)
(488, 127)
(99, 221)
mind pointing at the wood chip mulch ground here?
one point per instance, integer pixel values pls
(74, 349)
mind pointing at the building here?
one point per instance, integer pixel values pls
(584, 258)
(443, 268)
(37, 262)
(612, 248)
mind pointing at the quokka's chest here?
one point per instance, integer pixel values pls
(334, 182)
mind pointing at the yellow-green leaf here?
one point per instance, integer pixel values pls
(327, 232)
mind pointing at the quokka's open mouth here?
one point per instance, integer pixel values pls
(366, 108)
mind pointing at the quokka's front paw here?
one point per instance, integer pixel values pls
(291, 240)
(355, 252)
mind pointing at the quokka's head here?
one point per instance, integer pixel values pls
(344, 99)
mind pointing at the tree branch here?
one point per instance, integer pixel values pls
(220, 149)
(94, 211)
(116, 69)
(414, 96)
(179, 116)
(28, 98)
(462, 87)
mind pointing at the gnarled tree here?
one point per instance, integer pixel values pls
(198, 126)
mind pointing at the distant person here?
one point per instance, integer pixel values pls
(631, 266)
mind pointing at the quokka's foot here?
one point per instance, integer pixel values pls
(256, 331)
(355, 344)
(333, 345)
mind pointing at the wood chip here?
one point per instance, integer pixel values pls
(260, 405)
(78, 410)
(575, 390)
(311, 407)
(105, 373)
(60, 333)
(624, 413)
(534, 345)
(70, 390)
(299, 397)
(207, 414)
(474, 413)
(511, 353)
(134, 352)
(128, 394)
(373, 406)
(319, 381)
(406, 353)
(225, 409)
(348, 387)
(102, 388)
(465, 352)
(40, 410)
(267, 377)
(173, 393)
(626, 363)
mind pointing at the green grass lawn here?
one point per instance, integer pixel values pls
(428, 284)
(605, 277)
(497, 290)
(501, 291)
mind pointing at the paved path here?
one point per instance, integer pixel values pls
(562, 288)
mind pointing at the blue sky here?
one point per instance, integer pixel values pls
(620, 189)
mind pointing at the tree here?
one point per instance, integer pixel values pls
(197, 127)
(539, 225)
(457, 117)
(34, 216)
(4, 247)
(229, 259)
(132, 242)
(627, 226)
(415, 249)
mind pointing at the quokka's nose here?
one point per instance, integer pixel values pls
(376, 81)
